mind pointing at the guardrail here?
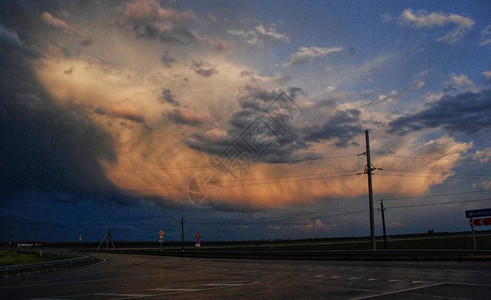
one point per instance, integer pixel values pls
(48, 265)
(378, 255)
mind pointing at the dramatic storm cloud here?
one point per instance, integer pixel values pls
(112, 111)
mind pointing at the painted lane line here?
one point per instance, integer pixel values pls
(222, 284)
(393, 281)
(119, 295)
(400, 291)
(318, 276)
(175, 290)
(335, 277)
(354, 278)
(49, 299)
(417, 282)
(77, 282)
(198, 290)
(471, 284)
(371, 279)
(229, 283)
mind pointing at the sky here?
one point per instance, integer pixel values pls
(245, 118)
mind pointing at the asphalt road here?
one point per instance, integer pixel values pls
(127, 277)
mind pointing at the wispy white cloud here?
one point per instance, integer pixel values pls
(423, 19)
(256, 36)
(460, 83)
(386, 18)
(488, 75)
(486, 36)
(307, 54)
(271, 32)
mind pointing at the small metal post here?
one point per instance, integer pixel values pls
(382, 210)
(473, 235)
(182, 233)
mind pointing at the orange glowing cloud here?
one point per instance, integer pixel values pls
(154, 159)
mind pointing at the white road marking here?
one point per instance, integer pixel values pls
(335, 277)
(417, 282)
(354, 278)
(400, 291)
(223, 284)
(175, 290)
(371, 279)
(394, 281)
(119, 295)
(49, 299)
(472, 284)
(318, 276)
(77, 282)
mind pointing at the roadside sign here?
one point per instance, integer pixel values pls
(480, 222)
(478, 213)
(198, 240)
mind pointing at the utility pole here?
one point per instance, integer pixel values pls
(382, 210)
(368, 170)
(182, 233)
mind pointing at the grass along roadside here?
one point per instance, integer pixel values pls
(10, 258)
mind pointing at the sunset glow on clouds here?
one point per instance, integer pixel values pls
(138, 97)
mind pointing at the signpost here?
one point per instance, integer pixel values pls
(161, 238)
(198, 240)
(475, 220)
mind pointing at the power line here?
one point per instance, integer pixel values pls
(302, 177)
(261, 222)
(435, 172)
(436, 195)
(213, 166)
(427, 158)
(440, 203)
(278, 219)
(436, 177)
(317, 214)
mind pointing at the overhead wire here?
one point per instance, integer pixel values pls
(435, 195)
(439, 203)
(214, 166)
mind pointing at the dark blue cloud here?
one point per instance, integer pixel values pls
(288, 144)
(343, 126)
(466, 112)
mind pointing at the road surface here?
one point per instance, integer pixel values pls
(151, 277)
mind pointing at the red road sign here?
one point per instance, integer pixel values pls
(480, 222)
